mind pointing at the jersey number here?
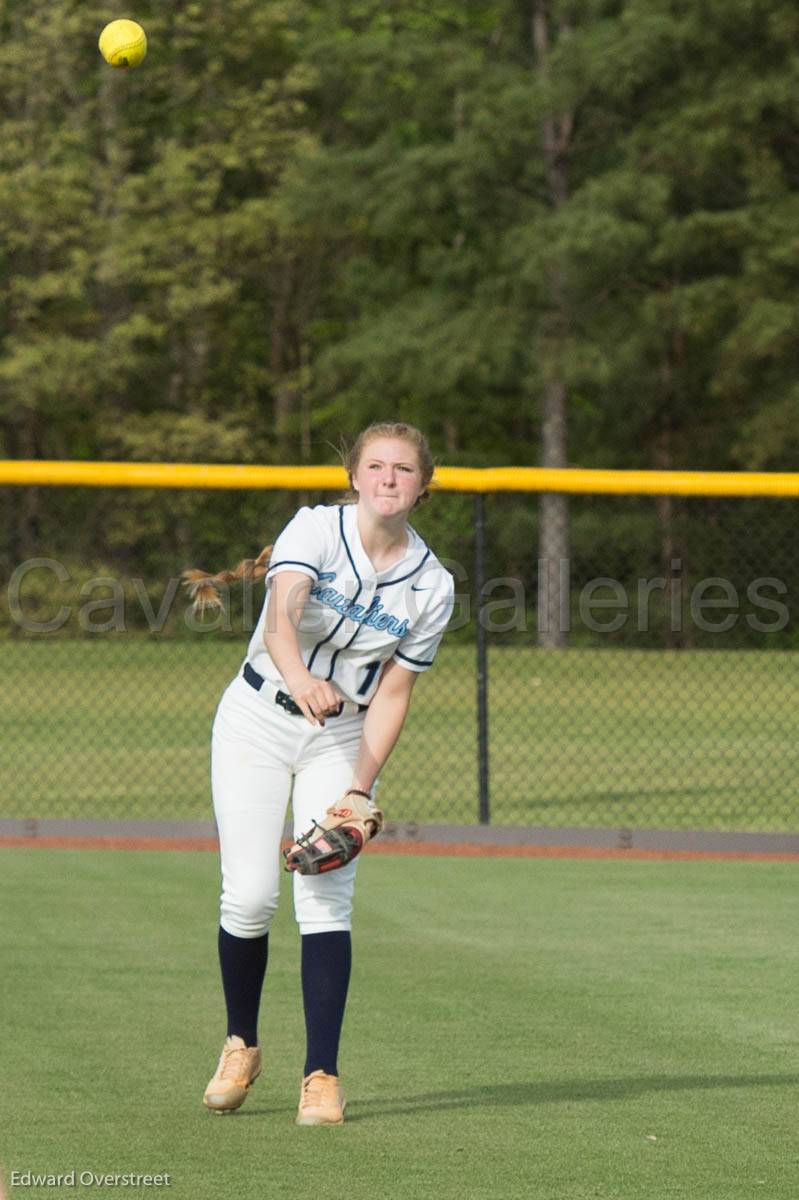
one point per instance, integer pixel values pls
(371, 671)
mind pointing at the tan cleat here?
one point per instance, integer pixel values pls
(239, 1067)
(321, 1100)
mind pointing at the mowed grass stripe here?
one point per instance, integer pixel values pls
(702, 739)
(519, 1029)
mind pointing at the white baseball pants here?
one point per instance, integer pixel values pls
(257, 751)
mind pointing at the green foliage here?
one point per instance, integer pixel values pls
(295, 218)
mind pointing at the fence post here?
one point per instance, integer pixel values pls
(484, 811)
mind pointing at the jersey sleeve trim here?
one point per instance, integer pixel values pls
(418, 662)
(293, 562)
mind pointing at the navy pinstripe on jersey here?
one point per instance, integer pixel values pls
(343, 536)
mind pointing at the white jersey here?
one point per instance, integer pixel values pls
(356, 618)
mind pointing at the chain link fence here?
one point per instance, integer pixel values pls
(659, 690)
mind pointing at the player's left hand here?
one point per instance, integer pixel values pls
(341, 835)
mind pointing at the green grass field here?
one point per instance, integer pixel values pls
(700, 739)
(517, 1029)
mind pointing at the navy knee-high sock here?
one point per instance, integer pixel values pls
(243, 963)
(326, 965)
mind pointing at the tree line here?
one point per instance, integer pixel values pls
(547, 231)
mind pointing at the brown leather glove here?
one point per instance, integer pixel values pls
(338, 838)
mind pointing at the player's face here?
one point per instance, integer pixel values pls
(388, 477)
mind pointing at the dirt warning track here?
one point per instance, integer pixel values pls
(409, 848)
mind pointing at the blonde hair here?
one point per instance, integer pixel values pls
(203, 587)
(398, 431)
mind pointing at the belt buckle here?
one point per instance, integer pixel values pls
(290, 705)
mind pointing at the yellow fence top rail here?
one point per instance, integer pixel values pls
(449, 479)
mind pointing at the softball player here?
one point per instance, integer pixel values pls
(356, 606)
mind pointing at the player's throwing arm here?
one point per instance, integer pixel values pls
(288, 595)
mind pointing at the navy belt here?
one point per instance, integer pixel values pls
(282, 698)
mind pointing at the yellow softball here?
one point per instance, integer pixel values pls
(123, 43)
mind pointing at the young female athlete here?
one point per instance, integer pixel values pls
(356, 606)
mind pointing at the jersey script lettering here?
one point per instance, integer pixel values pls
(374, 615)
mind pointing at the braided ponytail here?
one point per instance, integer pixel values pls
(204, 588)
